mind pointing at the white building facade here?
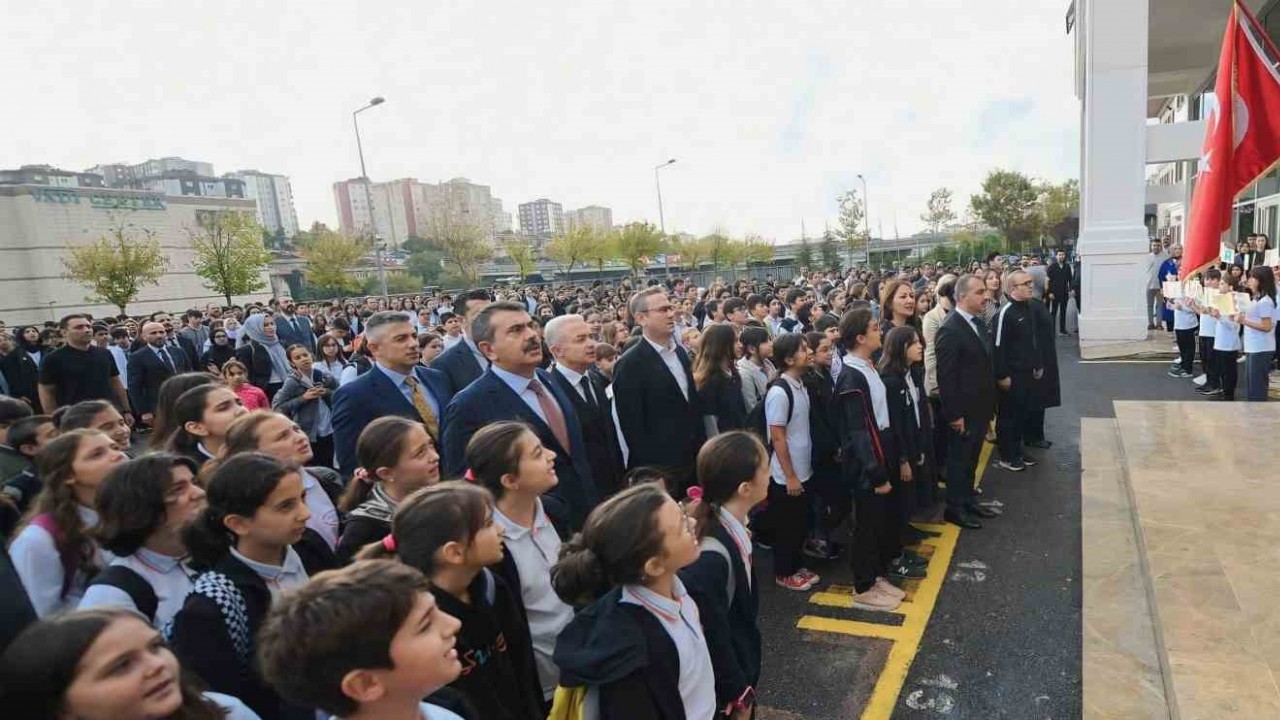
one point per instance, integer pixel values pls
(542, 219)
(274, 196)
(406, 207)
(593, 216)
(39, 222)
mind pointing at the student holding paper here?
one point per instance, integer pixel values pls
(1226, 344)
(1208, 329)
(1185, 323)
(1259, 340)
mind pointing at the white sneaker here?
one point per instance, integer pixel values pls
(876, 599)
(890, 589)
(1200, 380)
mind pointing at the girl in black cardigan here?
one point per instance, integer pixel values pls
(911, 434)
(733, 474)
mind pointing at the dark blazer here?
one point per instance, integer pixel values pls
(911, 438)
(147, 372)
(371, 396)
(186, 346)
(660, 426)
(458, 366)
(489, 399)
(295, 331)
(23, 376)
(966, 378)
(258, 360)
(603, 453)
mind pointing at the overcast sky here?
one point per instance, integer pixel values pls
(771, 108)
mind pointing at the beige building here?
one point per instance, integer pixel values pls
(39, 222)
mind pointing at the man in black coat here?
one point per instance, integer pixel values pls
(1060, 282)
(655, 400)
(463, 363)
(294, 329)
(1019, 366)
(967, 394)
(569, 338)
(149, 367)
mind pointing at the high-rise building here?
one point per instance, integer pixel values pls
(592, 216)
(49, 175)
(274, 196)
(353, 199)
(501, 218)
(170, 176)
(405, 207)
(541, 218)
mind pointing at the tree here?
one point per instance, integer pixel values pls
(230, 256)
(637, 243)
(804, 256)
(571, 248)
(464, 244)
(117, 265)
(716, 248)
(397, 284)
(329, 257)
(852, 228)
(1008, 204)
(754, 249)
(604, 249)
(938, 213)
(522, 255)
(830, 251)
(690, 249)
(1054, 207)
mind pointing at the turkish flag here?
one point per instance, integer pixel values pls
(1241, 139)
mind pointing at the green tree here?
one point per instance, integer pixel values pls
(1008, 204)
(637, 243)
(1054, 206)
(522, 255)
(715, 247)
(464, 244)
(690, 249)
(830, 251)
(571, 248)
(754, 249)
(804, 254)
(117, 265)
(604, 249)
(397, 284)
(852, 229)
(938, 213)
(329, 257)
(230, 256)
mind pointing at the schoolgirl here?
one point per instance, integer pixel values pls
(202, 416)
(96, 415)
(754, 367)
(909, 440)
(167, 398)
(1226, 347)
(787, 419)
(1259, 332)
(237, 377)
(718, 383)
(307, 398)
(1208, 330)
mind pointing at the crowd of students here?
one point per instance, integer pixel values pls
(454, 507)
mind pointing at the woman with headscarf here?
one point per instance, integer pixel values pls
(21, 370)
(221, 349)
(263, 353)
(28, 339)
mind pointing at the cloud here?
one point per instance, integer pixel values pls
(771, 108)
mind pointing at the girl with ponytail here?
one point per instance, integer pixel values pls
(638, 647)
(201, 417)
(242, 541)
(733, 476)
(448, 533)
(396, 457)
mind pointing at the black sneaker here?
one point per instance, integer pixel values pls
(906, 572)
(1029, 461)
(911, 559)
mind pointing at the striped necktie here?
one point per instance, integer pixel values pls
(423, 407)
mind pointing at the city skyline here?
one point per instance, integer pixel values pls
(769, 115)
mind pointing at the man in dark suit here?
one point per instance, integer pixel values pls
(463, 363)
(569, 338)
(395, 385)
(292, 328)
(149, 366)
(172, 340)
(1060, 282)
(655, 400)
(514, 388)
(967, 393)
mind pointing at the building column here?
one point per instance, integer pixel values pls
(1113, 237)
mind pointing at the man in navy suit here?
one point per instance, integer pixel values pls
(292, 328)
(514, 388)
(149, 366)
(463, 363)
(395, 385)
(569, 339)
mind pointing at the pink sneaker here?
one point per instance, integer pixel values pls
(796, 582)
(890, 589)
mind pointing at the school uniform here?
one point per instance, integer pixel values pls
(44, 567)
(1185, 324)
(168, 578)
(787, 513)
(323, 486)
(730, 624)
(1226, 345)
(862, 414)
(1208, 328)
(1259, 349)
(368, 523)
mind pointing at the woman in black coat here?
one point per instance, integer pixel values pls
(23, 375)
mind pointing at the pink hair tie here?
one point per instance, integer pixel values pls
(389, 543)
(469, 476)
(362, 475)
(694, 493)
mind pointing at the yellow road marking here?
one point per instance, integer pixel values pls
(921, 599)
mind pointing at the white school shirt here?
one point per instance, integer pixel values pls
(451, 340)
(278, 578)
(36, 560)
(1208, 325)
(1226, 336)
(1256, 341)
(169, 577)
(534, 551)
(324, 516)
(741, 537)
(879, 396)
(1183, 317)
(799, 438)
(679, 617)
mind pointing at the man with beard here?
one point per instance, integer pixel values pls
(515, 388)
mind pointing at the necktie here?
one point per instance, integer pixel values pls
(424, 409)
(164, 355)
(555, 418)
(585, 383)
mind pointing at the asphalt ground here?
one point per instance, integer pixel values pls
(994, 631)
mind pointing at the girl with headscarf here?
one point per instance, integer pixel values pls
(220, 351)
(263, 354)
(28, 338)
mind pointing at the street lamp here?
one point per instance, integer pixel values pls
(368, 194)
(662, 223)
(866, 217)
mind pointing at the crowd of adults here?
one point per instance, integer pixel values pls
(579, 474)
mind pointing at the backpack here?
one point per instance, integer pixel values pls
(711, 543)
(66, 554)
(134, 585)
(756, 420)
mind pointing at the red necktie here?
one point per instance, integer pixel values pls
(555, 418)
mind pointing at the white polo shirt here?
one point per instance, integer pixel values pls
(169, 577)
(799, 438)
(679, 617)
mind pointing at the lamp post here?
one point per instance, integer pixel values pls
(368, 193)
(662, 223)
(866, 217)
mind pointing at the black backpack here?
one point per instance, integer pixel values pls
(756, 418)
(133, 584)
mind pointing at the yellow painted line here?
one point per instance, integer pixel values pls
(851, 627)
(984, 459)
